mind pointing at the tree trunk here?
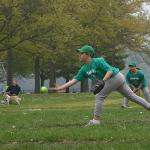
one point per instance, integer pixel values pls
(52, 79)
(84, 86)
(9, 66)
(93, 84)
(37, 74)
(52, 75)
(67, 89)
(42, 81)
(112, 58)
(42, 77)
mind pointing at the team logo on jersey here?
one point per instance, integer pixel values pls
(91, 72)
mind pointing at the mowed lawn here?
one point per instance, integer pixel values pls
(57, 122)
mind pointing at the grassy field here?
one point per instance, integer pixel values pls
(57, 122)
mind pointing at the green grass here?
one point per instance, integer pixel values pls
(56, 122)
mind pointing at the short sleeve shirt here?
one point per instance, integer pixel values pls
(136, 78)
(96, 70)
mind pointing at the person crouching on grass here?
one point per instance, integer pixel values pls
(12, 93)
(108, 79)
(137, 82)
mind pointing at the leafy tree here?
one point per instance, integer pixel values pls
(42, 35)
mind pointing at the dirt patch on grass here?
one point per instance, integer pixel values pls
(75, 142)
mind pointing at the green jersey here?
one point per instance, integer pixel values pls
(96, 69)
(136, 78)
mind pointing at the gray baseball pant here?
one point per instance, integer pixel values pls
(146, 95)
(117, 83)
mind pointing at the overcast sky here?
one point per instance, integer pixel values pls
(146, 8)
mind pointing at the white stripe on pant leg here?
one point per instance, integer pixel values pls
(127, 92)
(146, 94)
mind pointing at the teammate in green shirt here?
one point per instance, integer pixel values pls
(99, 69)
(137, 81)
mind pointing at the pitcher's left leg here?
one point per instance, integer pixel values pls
(127, 92)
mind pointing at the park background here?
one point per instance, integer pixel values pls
(39, 38)
(38, 42)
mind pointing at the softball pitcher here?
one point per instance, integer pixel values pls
(108, 79)
(136, 81)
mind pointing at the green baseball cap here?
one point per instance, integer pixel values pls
(86, 49)
(132, 64)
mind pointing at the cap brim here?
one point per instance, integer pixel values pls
(79, 50)
(131, 66)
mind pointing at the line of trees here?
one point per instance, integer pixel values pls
(40, 36)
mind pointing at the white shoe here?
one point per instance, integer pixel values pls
(124, 106)
(93, 122)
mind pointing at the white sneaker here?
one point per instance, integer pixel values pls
(93, 122)
(124, 106)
